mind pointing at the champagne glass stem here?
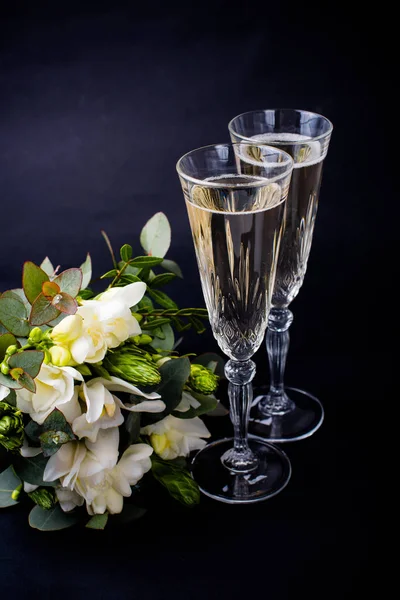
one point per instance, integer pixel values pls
(240, 458)
(276, 402)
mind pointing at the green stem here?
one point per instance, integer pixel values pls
(118, 276)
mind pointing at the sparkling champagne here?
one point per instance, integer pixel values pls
(237, 268)
(301, 210)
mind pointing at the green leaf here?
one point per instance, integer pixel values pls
(29, 360)
(100, 371)
(9, 382)
(163, 279)
(132, 426)
(47, 267)
(166, 342)
(161, 298)
(178, 481)
(27, 382)
(53, 519)
(145, 303)
(84, 370)
(42, 311)
(97, 521)
(33, 430)
(33, 277)
(31, 470)
(86, 294)
(207, 404)
(144, 262)
(155, 323)
(9, 482)
(170, 265)
(66, 304)
(126, 279)
(155, 237)
(20, 293)
(86, 269)
(110, 274)
(55, 431)
(6, 339)
(70, 281)
(212, 361)
(13, 316)
(126, 252)
(174, 374)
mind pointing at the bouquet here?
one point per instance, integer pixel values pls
(94, 398)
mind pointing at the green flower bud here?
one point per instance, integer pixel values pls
(17, 492)
(60, 356)
(11, 427)
(202, 380)
(4, 368)
(44, 497)
(131, 367)
(137, 316)
(11, 350)
(36, 335)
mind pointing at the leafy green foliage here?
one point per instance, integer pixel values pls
(86, 269)
(52, 434)
(9, 482)
(29, 360)
(53, 519)
(174, 374)
(13, 316)
(42, 311)
(161, 298)
(66, 304)
(6, 339)
(176, 479)
(170, 265)
(47, 267)
(70, 281)
(155, 237)
(33, 278)
(31, 469)
(212, 361)
(162, 279)
(126, 252)
(97, 521)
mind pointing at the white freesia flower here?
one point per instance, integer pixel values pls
(54, 389)
(104, 408)
(187, 402)
(100, 324)
(68, 499)
(172, 437)
(92, 471)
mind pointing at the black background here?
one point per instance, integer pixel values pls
(96, 106)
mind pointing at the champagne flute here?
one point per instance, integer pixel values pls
(237, 222)
(288, 414)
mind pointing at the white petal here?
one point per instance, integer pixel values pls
(105, 449)
(150, 406)
(80, 349)
(191, 427)
(130, 294)
(72, 409)
(73, 373)
(95, 396)
(68, 499)
(115, 384)
(60, 463)
(82, 428)
(28, 487)
(4, 391)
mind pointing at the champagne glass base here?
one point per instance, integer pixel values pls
(270, 477)
(297, 424)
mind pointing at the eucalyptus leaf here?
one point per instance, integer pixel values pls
(6, 339)
(66, 303)
(33, 277)
(86, 269)
(97, 521)
(70, 281)
(42, 311)
(27, 382)
(132, 426)
(155, 237)
(170, 265)
(47, 267)
(21, 295)
(165, 343)
(31, 469)
(9, 482)
(13, 316)
(9, 382)
(11, 398)
(29, 360)
(54, 432)
(53, 519)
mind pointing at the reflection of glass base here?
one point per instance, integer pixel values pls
(216, 481)
(297, 424)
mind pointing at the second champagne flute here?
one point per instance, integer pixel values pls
(237, 221)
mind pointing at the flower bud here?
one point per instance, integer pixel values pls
(137, 316)
(202, 380)
(131, 367)
(60, 356)
(11, 427)
(43, 497)
(162, 361)
(11, 350)
(4, 368)
(35, 335)
(17, 492)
